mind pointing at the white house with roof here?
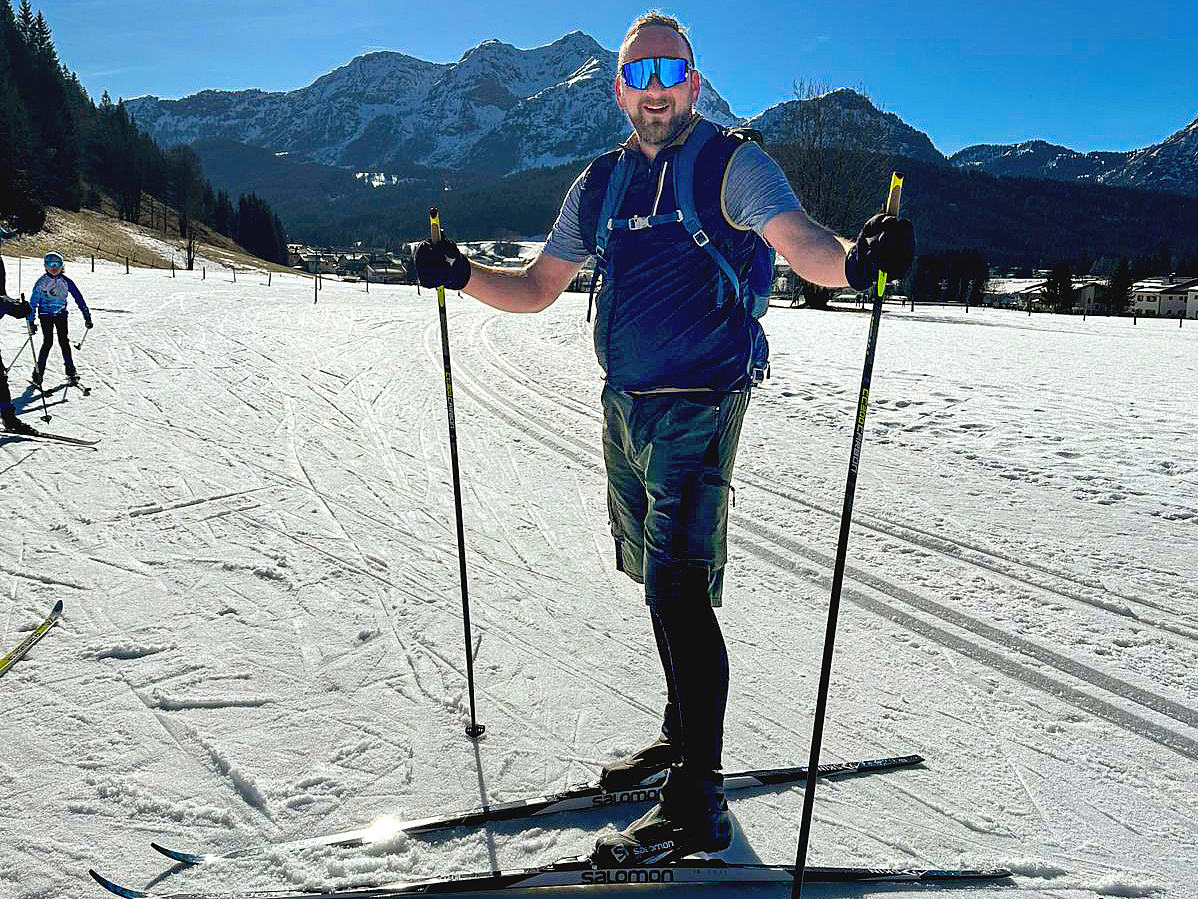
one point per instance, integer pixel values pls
(1013, 293)
(1087, 293)
(1192, 302)
(1163, 297)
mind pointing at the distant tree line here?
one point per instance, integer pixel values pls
(1012, 222)
(58, 148)
(949, 276)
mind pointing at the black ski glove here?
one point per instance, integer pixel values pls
(442, 264)
(33, 327)
(885, 244)
(15, 308)
(87, 323)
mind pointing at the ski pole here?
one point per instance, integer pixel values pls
(46, 416)
(475, 730)
(79, 345)
(28, 340)
(846, 520)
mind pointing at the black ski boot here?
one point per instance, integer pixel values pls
(73, 379)
(692, 816)
(14, 425)
(37, 377)
(655, 758)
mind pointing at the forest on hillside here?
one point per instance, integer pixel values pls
(59, 148)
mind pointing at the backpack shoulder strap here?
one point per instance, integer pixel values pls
(684, 194)
(617, 186)
(613, 195)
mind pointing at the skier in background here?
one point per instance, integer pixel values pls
(49, 302)
(679, 367)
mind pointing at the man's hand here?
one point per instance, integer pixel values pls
(15, 308)
(32, 327)
(87, 322)
(885, 244)
(441, 264)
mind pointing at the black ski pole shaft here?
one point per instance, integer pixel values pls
(28, 340)
(475, 730)
(79, 345)
(846, 520)
(45, 412)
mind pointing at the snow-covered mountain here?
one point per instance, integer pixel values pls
(1039, 159)
(1171, 165)
(498, 109)
(846, 118)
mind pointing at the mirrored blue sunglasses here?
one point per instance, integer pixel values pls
(670, 71)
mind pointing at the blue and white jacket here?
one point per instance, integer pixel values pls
(50, 297)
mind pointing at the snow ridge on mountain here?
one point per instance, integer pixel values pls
(844, 117)
(501, 109)
(498, 109)
(1171, 165)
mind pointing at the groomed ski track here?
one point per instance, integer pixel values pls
(265, 641)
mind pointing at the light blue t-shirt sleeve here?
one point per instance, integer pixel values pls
(565, 240)
(756, 189)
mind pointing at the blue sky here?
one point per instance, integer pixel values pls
(1096, 75)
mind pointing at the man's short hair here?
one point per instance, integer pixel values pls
(655, 17)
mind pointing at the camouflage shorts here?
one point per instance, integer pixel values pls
(669, 459)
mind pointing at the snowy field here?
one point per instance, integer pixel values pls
(263, 637)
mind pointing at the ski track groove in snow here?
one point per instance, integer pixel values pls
(900, 530)
(1166, 736)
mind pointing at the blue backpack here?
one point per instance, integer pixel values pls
(754, 294)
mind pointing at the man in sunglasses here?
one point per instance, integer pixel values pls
(680, 362)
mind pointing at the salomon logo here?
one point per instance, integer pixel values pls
(628, 875)
(645, 794)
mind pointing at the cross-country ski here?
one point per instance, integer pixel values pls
(583, 796)
(19, 651)
(579, 872)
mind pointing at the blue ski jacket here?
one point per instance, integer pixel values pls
(49, 297)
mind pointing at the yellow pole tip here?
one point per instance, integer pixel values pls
(432, 212)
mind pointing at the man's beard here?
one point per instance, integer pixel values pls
(657, 131)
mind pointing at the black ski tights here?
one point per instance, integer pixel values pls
(695, 662)
(50, 324)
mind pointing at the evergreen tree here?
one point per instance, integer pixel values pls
(1059, 288)
(258, 230)
(223, 216)
(41, 42)
(25, 22)
(1119, 293)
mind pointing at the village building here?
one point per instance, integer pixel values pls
(1163, 297)
(385, 273)
(1014, 293)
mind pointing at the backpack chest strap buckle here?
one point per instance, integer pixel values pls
(638, 223)
(701, 238)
